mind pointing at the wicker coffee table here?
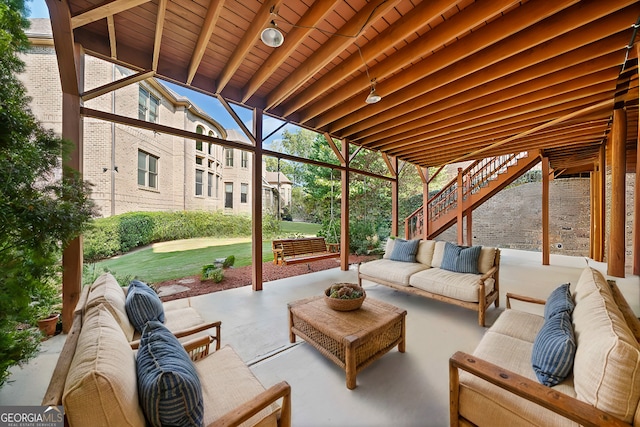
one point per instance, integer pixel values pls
(351, 339)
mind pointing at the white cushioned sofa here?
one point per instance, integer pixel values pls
(96, 378)
(497, 384)
(424, 275)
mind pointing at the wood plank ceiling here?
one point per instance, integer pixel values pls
(459, 79)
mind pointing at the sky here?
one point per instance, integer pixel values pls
(38, 9)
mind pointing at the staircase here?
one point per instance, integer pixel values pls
(479, 182)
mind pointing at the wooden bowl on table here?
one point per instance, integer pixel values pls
(343, 302)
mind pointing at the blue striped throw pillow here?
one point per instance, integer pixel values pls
(405, 250)
(142, 305)
(559, 300)
(461, 259)
(169, 389)
(554, 350)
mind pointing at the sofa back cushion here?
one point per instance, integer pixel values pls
(106, 290)
(388, 248)
(438, 254)
(425, 252)
(487, 259)
(607, 362)
(101, 387)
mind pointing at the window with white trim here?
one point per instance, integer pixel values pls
(147, 170)
(200, 131)
(228, 195)
(244, 190)
(228, 157)
(199, 177)
(210, 178)
(244, 161)
(148, 106)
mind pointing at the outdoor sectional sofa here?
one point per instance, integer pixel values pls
(422, 274)
(100, 380)
(578, 364)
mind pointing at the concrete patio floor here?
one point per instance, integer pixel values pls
(409, 389)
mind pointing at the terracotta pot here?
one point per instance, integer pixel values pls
(48, 325)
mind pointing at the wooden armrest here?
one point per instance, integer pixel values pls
(489, 273)
(193, 330)
(248, 409)
(560, 403)
(198, 348)
(523, 298)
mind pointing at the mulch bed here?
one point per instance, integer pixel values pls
(241, 276)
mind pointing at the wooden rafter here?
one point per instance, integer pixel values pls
(157, 39)
(110, 87)
(213, 12)
(103, 11)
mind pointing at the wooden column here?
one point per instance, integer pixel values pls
(425, 203)
(392, 165)
(600, 213)
(592, 210)
(617, 246)
(460, 208)
(636, 203)
(636, 211)
(344, 209)
(545, 211)
(71, 68)
(256, 205)
(469, 229)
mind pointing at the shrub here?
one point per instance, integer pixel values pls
(229, 261)
(211, 272)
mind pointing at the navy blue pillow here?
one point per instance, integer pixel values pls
(142, 305)
(461, 259)
(559, 300)
(405, 250)
(554, 350)
(169, 389)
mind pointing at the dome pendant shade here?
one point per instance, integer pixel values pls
(271, 36)
(373, 97)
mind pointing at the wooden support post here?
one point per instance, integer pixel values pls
(617, 247)
(469, 229)
(545, 211)
(592, 210)
(392, 165)
(460, 208)
(425, 203)
(344, 209)
(256, 204)
(600, 213)
(636, 211)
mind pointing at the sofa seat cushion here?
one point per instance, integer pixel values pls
(487, 405)
(518, 324)
(461, 286)
(226, 383)
(101, 387)
(106, 290)
(391, 271)
(607, 362)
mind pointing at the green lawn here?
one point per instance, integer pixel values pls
(173, 260)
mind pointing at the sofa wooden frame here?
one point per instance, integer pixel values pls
(560, 403)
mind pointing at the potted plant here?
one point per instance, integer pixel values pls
(47, 305)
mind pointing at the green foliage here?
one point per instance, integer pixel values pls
(270, 225)
(119, 234)
(39, 213)
(211, 272)
(229, 261)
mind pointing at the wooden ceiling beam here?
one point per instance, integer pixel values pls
(261, 19)
(329, 50)
(318, 10)
(401, 29)
(553, 95)
(419, 79)
(112, 36)
(103, 11)
(210, 20)
(535, 118)
(64, 43)
(157, 39)
(490, 80)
